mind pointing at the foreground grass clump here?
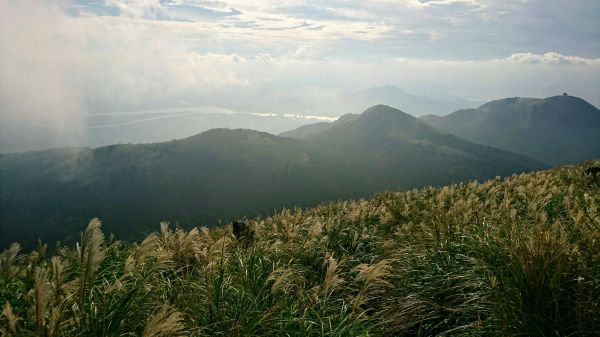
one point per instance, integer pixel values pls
(519, 256)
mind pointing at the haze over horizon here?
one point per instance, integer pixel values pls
(64, 62)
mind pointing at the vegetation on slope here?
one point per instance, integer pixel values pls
(555, 130)
(519, 256)
(221, 175)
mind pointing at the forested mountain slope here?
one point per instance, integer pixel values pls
(555, 130)
(226, 174)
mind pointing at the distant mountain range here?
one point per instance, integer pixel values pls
(226, 174)
(416, 105)
(148, 126)
(274, 110)
(332, 102)
(555, 130)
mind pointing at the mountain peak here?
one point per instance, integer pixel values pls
(386, 110)
(565, 99)
(227, 133)
(555, 130)
(385, 117)
(381, 108)
(521, 102)
(509, 101)
(387, 89)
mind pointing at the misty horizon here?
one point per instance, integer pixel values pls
(68, 67)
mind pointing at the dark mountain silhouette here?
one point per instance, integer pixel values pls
(225, 174)
(309, 130)
(555, 130)
(306, 131)
(395, 149)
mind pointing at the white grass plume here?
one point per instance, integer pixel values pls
(165, 322)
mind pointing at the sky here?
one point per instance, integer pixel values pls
(61, 61)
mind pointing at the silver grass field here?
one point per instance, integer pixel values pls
(507, 257)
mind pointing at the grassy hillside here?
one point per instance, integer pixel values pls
(507, 257)
(555, 130)
(225, 174)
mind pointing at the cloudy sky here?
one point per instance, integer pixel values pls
(62, 60)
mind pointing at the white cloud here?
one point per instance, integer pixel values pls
(551, 58)
(438, 3)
